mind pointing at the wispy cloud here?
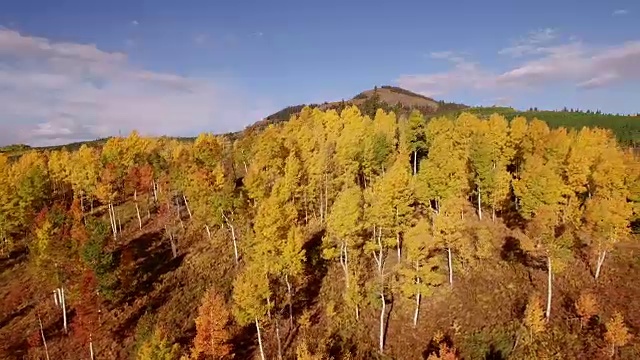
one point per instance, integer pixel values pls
(620, 12)
(200, 39)
(56, 92)
(530, 44)
(571, 63)
(135, 22)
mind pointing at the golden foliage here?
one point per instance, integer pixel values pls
(534, 317)
(212, 326)
(586, 306)
(617, 332)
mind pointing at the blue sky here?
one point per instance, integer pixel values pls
(75, 70)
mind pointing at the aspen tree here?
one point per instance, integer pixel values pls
(250, 297)
(419, 276)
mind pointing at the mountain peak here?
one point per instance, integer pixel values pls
(386, 97)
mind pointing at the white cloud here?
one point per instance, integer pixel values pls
(573, 63)
(56, 92)
(135, 23)
(530, 44)
(620, 12)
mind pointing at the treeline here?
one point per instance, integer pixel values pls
(626, 128)
(403, 208)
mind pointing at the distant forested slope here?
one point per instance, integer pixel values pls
(625, 127)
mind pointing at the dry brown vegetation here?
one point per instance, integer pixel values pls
(326, 238)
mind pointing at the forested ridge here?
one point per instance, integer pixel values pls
(333, 235)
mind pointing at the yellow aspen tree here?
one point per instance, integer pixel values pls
(344, 233)
(251, 295)
(534, 317)
(540, 189)
(32, 187)
(386, 124)
(448, 230)
(418, 275)
(9, 220)
(267, 164)
(608, 213)
(586, 307)
(617, 334)
(59, 165)
(349, 152)
(518, 128)
(84, 173)
(416, 137)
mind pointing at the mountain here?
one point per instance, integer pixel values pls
(386, 97)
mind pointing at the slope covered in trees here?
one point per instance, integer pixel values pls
(626, 128)
(333, 235)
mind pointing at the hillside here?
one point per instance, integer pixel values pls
(324, 238)
(389, 98)
(402, 102)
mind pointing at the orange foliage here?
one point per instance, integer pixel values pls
(85, 322)
(213, 336)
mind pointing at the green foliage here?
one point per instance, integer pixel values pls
(99, 259)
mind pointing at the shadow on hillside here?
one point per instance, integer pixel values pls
(244, 342)
(143, 261)
(434, 347)
(15, 314)
(16, 256)
(512, 252)
(494, 354)
(152, 305)
(315, 270)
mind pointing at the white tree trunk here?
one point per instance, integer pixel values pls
(321, 209)
(178, 214)
(418, 297)
(259, 340)
(64, 310)
(174, 248)
(417, 311)
(344, 263)
(415, 162)
(382, 310)
(186, 204)
(91, 347)
(208, 231)
(380, 250)
(326, 194)
(450, 267)
(155, 191)
(44, 341)
(112, 219)
(548, 313)
(279, 340)
(479, 205)
(600, 262)
(135, 198)
(233, 235)
(286, 279)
